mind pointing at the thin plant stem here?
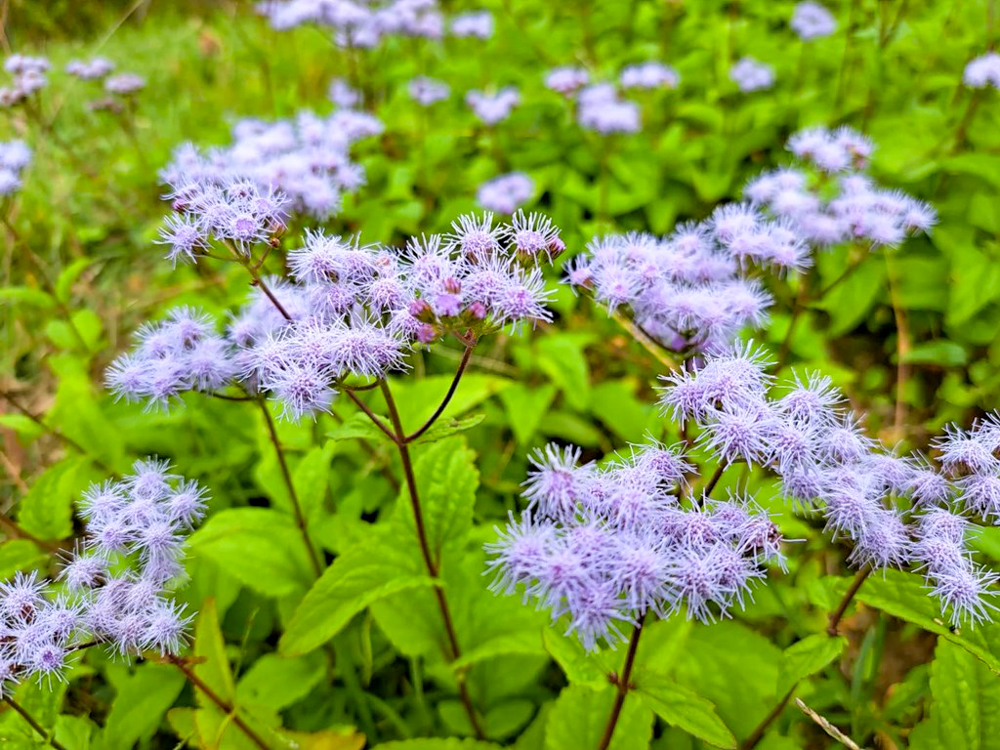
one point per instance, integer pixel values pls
(838, 613)
(42, 732)
(623, 683)
(963, 124)
(842, 78)
(714, 479)
(447, 398)
(425, 549)
(228, 708)
(370, 414)
(644, 340)
(758, 734)
(826, 726)
(300, 519)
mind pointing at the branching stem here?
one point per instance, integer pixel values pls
(623, 683)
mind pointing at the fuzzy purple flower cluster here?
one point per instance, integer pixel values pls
(983, 71)
(306, 158)
(506, 193)
(114, 590)
(828, 198)
(751, 75)
(897, 512)
(28, 76)
(353, 310)
(15, 156)
(493, 108)
(427, 91)
(812, 21)
(90, 70)
(358, 24)
(691, 291)
(605, 546)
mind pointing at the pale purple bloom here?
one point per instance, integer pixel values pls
(751, 75)
(427, 91)
(506, 193)
(983, 71)
(649, 75)
(476, 24)
(493, 108)
(343, 94)
(90, 70)
(811, 20)
(567, 80)
(124, 84)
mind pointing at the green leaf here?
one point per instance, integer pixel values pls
(560, 356)
(279, 682)
(614, 403)
(849, 303)
(359, 426)
(362, 575)
(69, 275)
(212, 665)
(47, 510)
(682, 708)
(807, 657)
(26, 296)
(941, 353)
(26, 428)
(904, 595)
(141, 701)
(712, 654)
(19, 554)
(435, 743)
(75, 732)
(525, 406)
(311, 477)
(260, 547)
(580, 716)
(579, 666)
(965, 710)
(417, 400)
(444, 428)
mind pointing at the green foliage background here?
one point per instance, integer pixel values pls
(318, 661)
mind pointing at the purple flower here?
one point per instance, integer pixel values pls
(427, 91)
(648, 75)
(566, 80)
(750, 75)
(124, 84)
(983, 71)
(811, 21)
(493, 108)
(477, 24)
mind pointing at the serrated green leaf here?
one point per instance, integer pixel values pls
(311, 478)
(807, 657)
(904, 595)
(47, 510)
(965, 710)
(525, 406)
(418, 400)
(447, 480)
(579, 666)
(19, 554)
(260, 547)
(278, 682)
(444, 428)
(141, 701)
(581, 712)
(362, 575)
(359, 426)
(712, 654)
(682, 708)
(560, 356)
(212, 664)
(26, 428)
